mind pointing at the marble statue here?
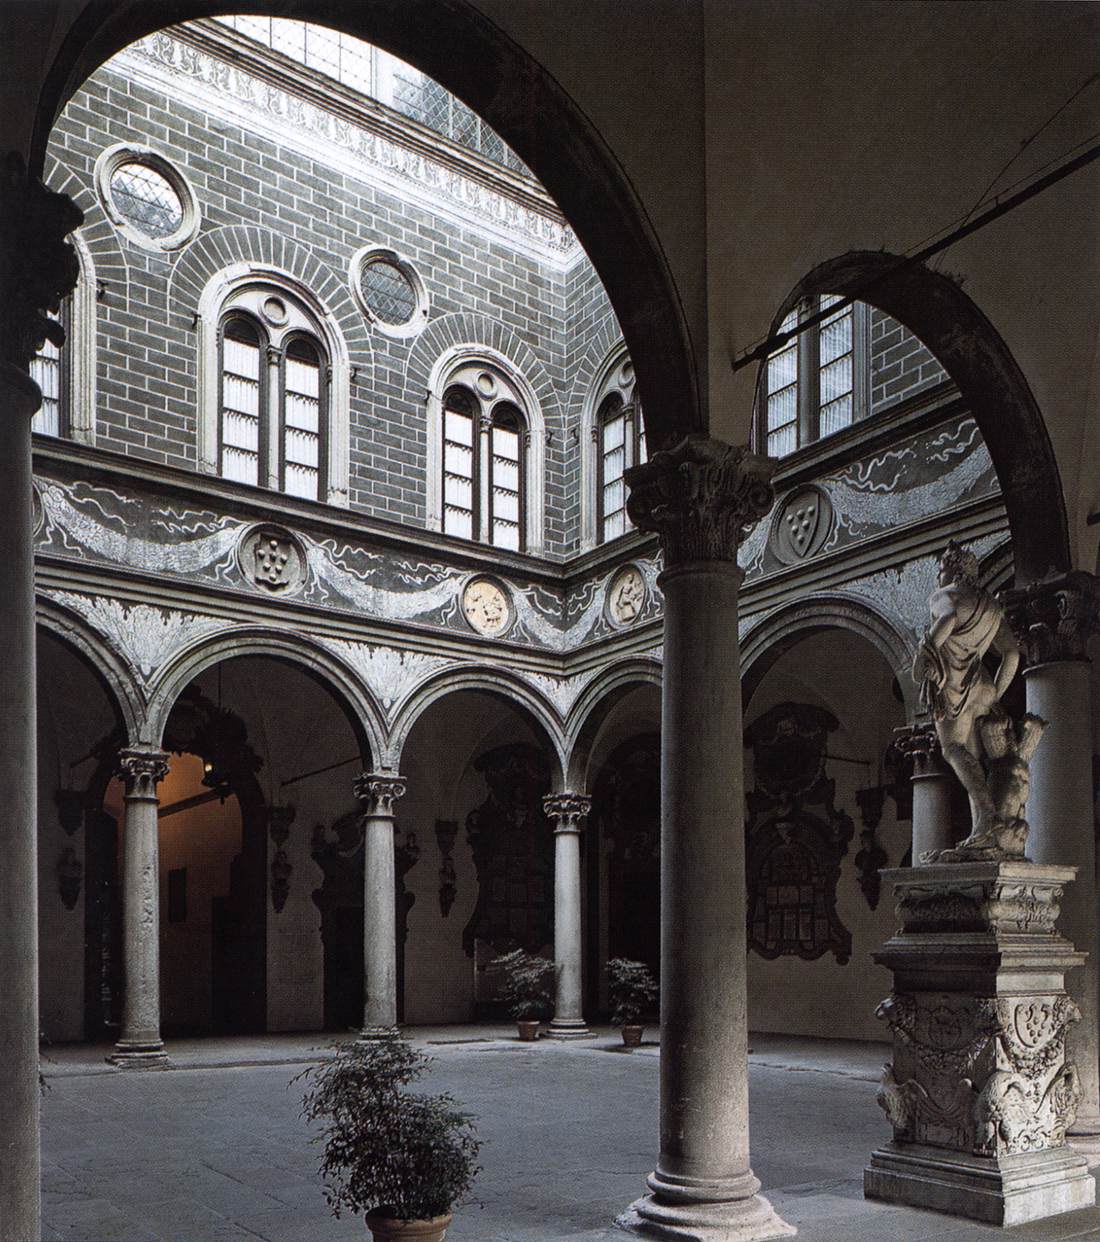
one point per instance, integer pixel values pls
(985, 747)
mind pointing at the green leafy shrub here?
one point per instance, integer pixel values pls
(388, 1150)
(528, 989)
(632, 990)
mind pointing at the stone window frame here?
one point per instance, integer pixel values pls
(419, 319)
(78, 361)
(214, 304)
(533, 483)
(606, 382)
(111, 159)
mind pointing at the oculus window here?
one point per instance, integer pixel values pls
(147, 198)
(389, 291)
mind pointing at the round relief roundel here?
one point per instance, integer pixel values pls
(486, 607)
(801, 525)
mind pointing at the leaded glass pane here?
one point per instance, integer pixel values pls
(302, 448)
(242, 357)
(783, 441)
(241, 431)
(301, 481)
(458, 492)
(458, 427)
(782, 407)
(458, 522)
(289, 37)
(836, 337)
(614, 496)
(836, 415)
(240, 466)
(783, 368)
(457, 459)
(505, 535)
(388, 292)
(614, 524)
(147, 199)
(46, 373)
(836, 379)
(505, 444)
(506, 474)
(614, 433)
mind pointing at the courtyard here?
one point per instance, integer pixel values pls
(214, 1150)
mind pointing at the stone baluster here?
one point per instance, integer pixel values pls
(1054, 621)
(701, 498)
(139, 1045)
(932, 824)
(378, 792)
(37, 269)
(567, 810)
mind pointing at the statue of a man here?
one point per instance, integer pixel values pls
(964, 699)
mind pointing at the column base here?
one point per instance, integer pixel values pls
(1005, 1190)
(692, 1211)
(371, 1033)
(138, 1056)
(568, 1028)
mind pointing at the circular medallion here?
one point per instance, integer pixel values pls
(272, 559)
(486, 384)
(486, 606)
(274, 310)
(801, 525)
(626, 596)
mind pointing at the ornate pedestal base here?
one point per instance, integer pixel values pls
(979, 1091)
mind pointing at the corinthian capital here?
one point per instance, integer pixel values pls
(1054, 619)
(37, 266)
(378, 792)
(567, 810)
(141, 769)
(702, 498)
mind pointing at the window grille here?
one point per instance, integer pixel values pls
(302, 420)
(241, 409)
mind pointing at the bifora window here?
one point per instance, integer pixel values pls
(50, 371)
(619, 433)
(815, 384)
(273, 394)
(485, 438)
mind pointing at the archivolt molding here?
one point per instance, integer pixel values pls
(605, 687)
(58, 616)
(998, 568)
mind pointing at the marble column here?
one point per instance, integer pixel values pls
(932, 824)
(139, 1045)
(701, 498)
(567, 810)
(37, 269)
(1054, 621)
(377, 792)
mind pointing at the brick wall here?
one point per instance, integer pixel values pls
(901, 366)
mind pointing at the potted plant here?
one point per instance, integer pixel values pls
(633, 992)
(527, 990)
(403, 1158)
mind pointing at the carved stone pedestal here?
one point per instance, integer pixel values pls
(979, 1091)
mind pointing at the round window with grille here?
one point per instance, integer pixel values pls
(389, 291)
(146, 197)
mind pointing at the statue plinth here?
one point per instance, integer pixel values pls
(979, 1091)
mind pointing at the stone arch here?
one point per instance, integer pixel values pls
(112, 272)
(354, 698)
(970, 349)
(472, 57)
(781, 629)
(593, 707)
(116, 675)
(505, 686)
(998, 568)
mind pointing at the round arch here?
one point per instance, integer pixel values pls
(504, 686)
(352, 696)
(112, 672)
(594, 706)
(971, 350)
(473, 58)
(780, 630)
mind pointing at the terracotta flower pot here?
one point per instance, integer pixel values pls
(390, 1229)
(632, 1035)
(528, 1030)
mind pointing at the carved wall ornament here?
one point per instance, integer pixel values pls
(446, 832)
(626, 596)
(70, 872)
(70, 809)
(487, 607)
(378, 792)
(272, 558)
(802, 523)
(701, 498)
(1054, 620)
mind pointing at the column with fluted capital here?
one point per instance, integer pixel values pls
(377, 793)
(37, 269)
(568, 811)
(933, 828)
(702, 498)
(1053, 621)
(139, 1044)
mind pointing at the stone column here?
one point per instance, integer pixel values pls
(932, 825)
(701, 498)
(140, 1045)
(1054, 621)
(37, 269)
(567, 810)
(378, 792)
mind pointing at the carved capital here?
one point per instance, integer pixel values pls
(702, 498)
(378, 792)
(1054, 619)
(567, 810)
(38, 268)
(141, 769)
(919, 744)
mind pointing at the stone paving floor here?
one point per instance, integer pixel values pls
(214, 1150)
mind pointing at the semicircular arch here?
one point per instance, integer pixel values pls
(594, 705)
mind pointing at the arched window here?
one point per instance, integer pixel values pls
(272, 393)
(484, 479)
(618, 434)
(66, 376)
(49, 370)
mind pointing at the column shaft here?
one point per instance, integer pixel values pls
(378, 793)
(932, 825)
(568, 810)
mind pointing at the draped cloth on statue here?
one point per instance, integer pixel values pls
(955, 666)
